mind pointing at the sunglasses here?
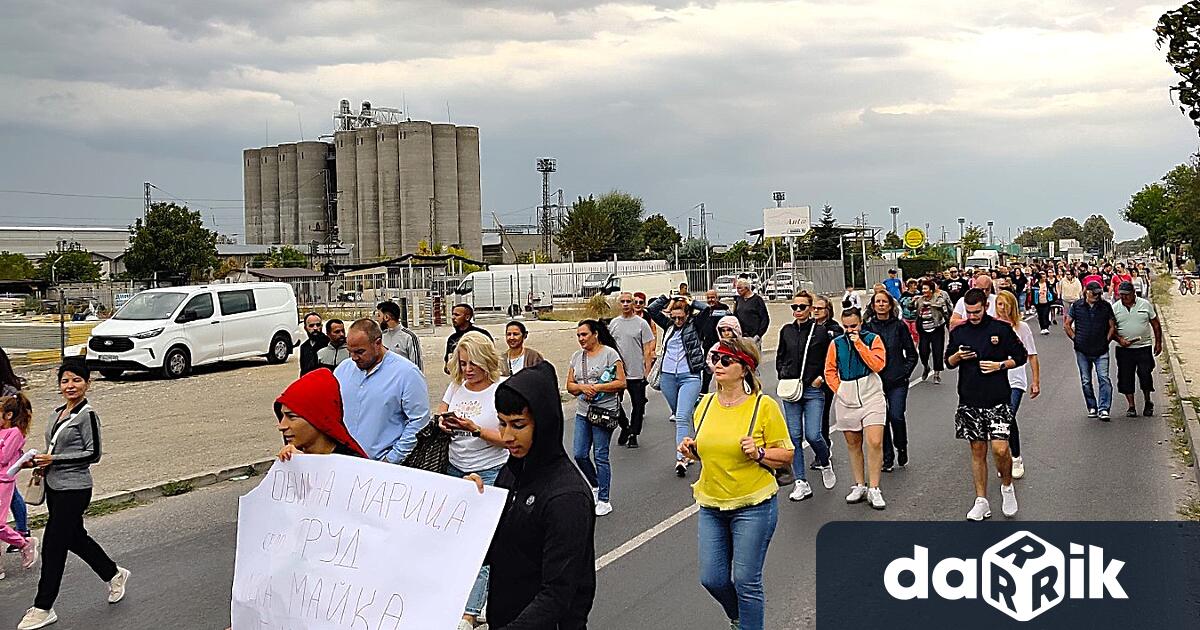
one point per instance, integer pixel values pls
(639, 303)
(799, 307)
(724, 359)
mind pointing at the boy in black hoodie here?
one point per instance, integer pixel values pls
(543, 555)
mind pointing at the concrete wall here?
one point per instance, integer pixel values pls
(310, 169)
(270, 195)
(445, 185)
(416, 173)
(368, 193)
(252, 195)
(470, 202)
(347, 189)
(389, 191)
(289, 196)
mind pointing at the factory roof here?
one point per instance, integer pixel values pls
(285, 273)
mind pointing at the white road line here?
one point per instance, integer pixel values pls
(646, 536)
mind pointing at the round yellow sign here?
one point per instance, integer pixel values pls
(914, 238)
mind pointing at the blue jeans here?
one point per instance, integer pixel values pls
(895, 433)
(733, 548)
(20, 513)
(804, 418)
(479, 591)
(681, 391)
(591, 440)
(1100, 363)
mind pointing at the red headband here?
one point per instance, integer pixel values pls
(737, 354)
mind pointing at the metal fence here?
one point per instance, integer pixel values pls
(828, 276)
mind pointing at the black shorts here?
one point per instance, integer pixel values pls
(983, 424)
(1133, 362)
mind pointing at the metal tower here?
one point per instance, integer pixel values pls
(545, 166)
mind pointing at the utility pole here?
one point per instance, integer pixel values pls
(545, 166)
(146, 210)
(990, 241)
(703, 224)
(689, 228)
(895, 210)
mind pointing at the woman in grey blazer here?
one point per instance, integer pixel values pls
(72, 446)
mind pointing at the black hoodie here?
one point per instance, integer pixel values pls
(543, 555)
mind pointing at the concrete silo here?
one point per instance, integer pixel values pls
(310, 171)
(252, 195)
(416, 182)
(388, 165)
(270, 195)
(366, 157)
(470, 201)
(445, 185)
(347, 192)
(289, 199)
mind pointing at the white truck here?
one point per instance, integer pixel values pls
(508, 291)
(984, 259)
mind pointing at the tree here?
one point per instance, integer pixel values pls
(15, 267)
(1034, 237)
(1134, 246)
(587, 231)
(281, 257)
(972, 240)
(659, 236)
(171, 241)
(823, 241)
(72, 265)
(226, 267)
(625, 212)
(1183, 202)
(892, 241)
(1180, 30)
(1067, 227)
(1096, 233)
(1149, 208)
(693, 249)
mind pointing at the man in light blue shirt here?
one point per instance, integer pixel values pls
(385, 400)
(893, 284)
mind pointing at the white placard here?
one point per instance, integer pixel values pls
(793, 221)
(330, 542)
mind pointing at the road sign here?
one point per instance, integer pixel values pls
(794, 221)
(914, 238)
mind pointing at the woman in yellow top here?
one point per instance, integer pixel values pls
(741, 437)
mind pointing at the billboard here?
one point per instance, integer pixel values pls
(793, 221)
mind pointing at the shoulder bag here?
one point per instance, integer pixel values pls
(792, 389)
(654, 376)
(607, 419)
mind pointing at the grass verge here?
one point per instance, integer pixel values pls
(176, 488)
(98, 508)
(1190, 510)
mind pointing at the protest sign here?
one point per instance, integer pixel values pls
(329, 542)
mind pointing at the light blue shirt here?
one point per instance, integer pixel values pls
(385, 407)
(674, 356)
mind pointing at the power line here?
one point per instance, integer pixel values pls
(47, 193)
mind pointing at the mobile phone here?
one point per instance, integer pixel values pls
(692, 449)
(965, 349)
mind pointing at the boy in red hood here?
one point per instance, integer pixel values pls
(309, 414)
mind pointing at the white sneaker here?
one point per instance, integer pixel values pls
(603, 508)
(828, 477)
(116, 586)
(875, 497)
(981, 510)
(1009, 507)
(465, 625)
(37, 618)
(29, 555)
(857, 494)
(801, 492)
(1045, 332)
(1018, 468)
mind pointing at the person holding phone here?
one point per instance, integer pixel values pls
(742, 437)
(985, 349)
(468, 411)
(852, 367)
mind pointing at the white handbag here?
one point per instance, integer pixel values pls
(654, 376)
(792, 389)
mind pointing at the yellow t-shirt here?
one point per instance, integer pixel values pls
(728, 479)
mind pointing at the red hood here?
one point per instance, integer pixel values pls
(317, 398)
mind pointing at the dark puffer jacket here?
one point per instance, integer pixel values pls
(792, 338)
(693, 340)
(901, 351)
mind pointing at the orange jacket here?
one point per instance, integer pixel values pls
(875, 356)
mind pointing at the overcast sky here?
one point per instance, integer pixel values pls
(1018, 112)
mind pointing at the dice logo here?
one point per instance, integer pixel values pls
(1023, 576)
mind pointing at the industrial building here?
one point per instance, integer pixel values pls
(379, 185)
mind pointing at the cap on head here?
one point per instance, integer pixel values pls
(1094, 286)
(1124, 287)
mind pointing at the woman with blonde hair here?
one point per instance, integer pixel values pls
(1008, 311)
(468, 410)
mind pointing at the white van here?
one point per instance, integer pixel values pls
(175, 328)
(507, 291)
(653, 283)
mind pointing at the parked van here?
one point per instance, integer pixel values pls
(510, 292)
(172, 329)
(653, 284)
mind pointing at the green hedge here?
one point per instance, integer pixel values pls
(918, 267)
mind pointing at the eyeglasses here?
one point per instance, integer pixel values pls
(639, 303)
(724, 359)
(799, 307)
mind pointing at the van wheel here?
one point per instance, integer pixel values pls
(112, 374)
(177, 363)
(281, 349)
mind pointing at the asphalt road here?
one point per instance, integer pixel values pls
(181, 549)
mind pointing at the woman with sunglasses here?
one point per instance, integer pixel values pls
(741, 437)
(803, 344)
(683, 361)
(852, 369)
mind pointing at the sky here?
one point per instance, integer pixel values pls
(1016, 112)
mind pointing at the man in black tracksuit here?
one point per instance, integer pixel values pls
(542, 557)
(901, 361)
(313, 344)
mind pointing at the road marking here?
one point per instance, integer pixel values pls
(646, 536)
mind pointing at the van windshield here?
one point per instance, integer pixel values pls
(145, 306)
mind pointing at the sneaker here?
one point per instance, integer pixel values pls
(681, 468)
(632, 442)
(981, 510)
(802, 491)
(672, 418)
(37, 618)
(116, 586)
(937, 378)
(857, 494)
(828, 477)
(1018, 468)
(1131, 412)
(875, 497)
(1104, 415)
(3, 574)
(1009, 507)
(603, 508)
(888, 468)
(1045, 332)
(735, 624)
(465, 625)
(902, 457)
(1091, 413)
(29, 554)
(1148, 410)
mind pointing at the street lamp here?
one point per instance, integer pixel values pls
(778, 196)
(961, 222)
(990, 224)
(895, 210)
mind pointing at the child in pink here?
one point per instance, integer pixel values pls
(15, 415)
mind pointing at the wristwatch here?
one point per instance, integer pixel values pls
(476, 433)
(762, 452)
